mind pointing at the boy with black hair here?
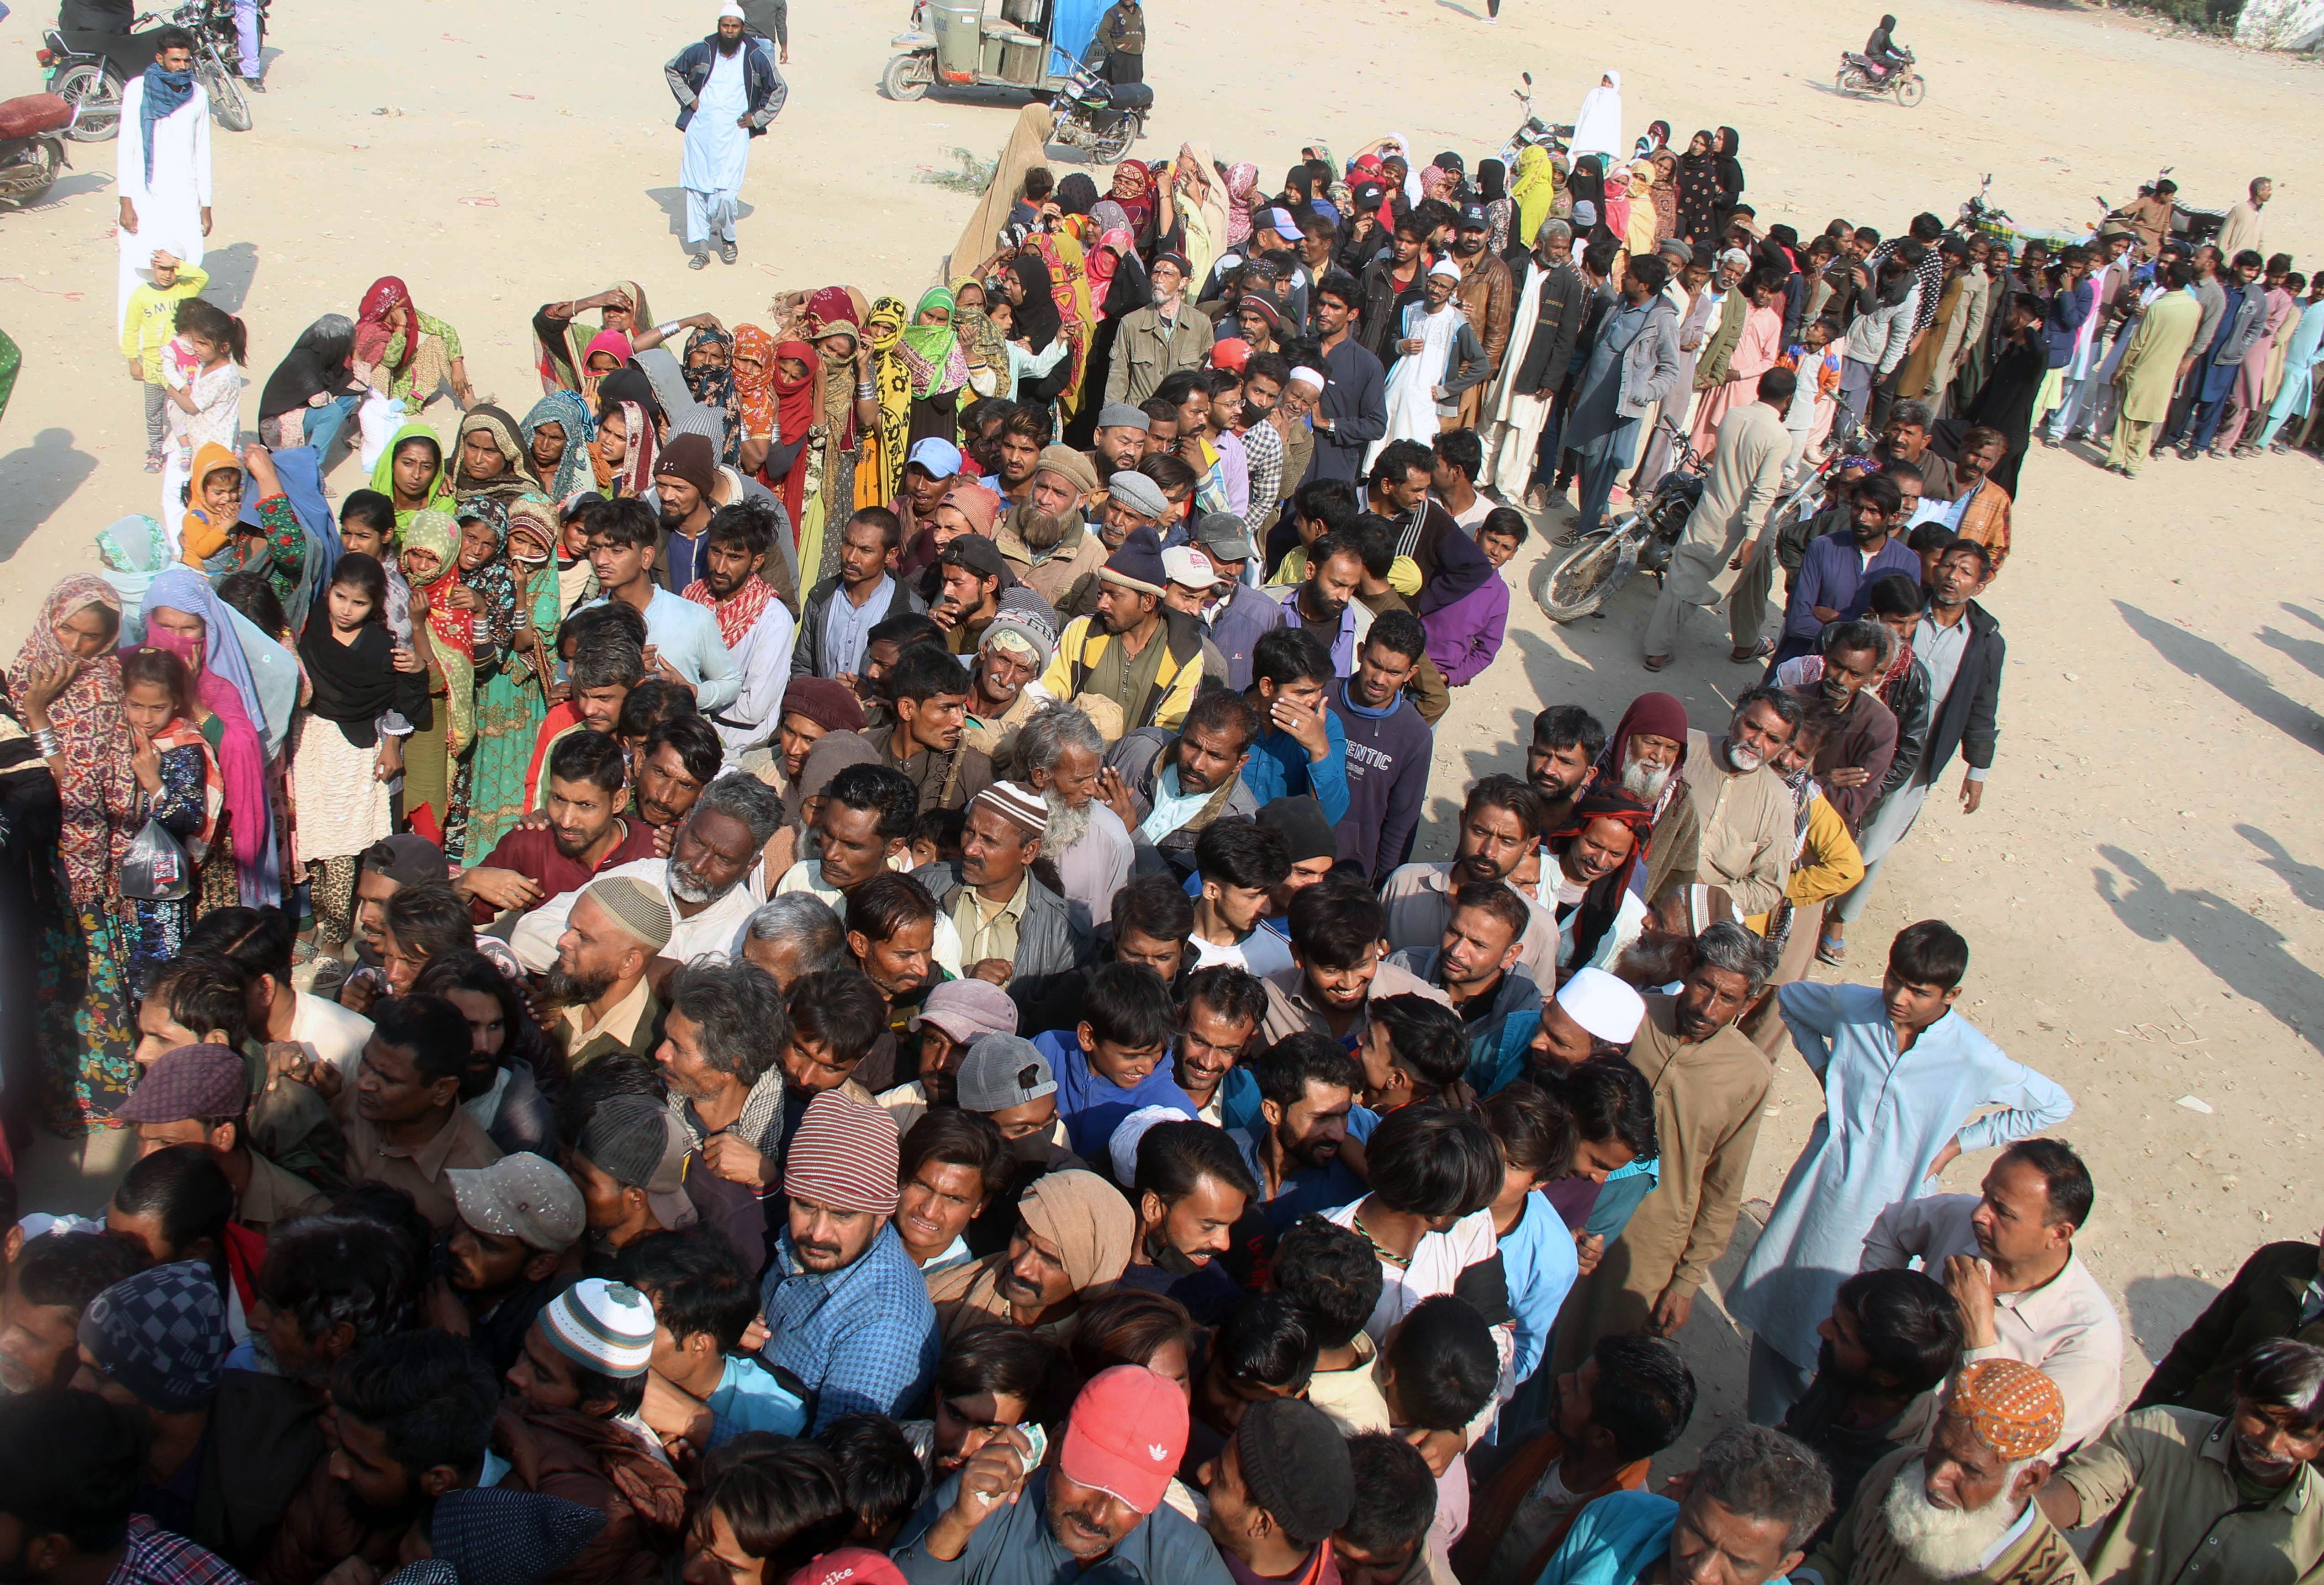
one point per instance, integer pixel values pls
(1337, 948)
(1904, 1074)
(879, 1473)
(1330, 1273)
(1631, 1399)
(1386, 1540)
(1538, 1254)
(836, 1018)
(1110, 1065)
(700, 1390)
(1437, 1372)
(1240, 864)
(683, 641)
(1434, 1175)
(1413, 1050)
(173, 1205)
(1262, 1350)
(48, 1284)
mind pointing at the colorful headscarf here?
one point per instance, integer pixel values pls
(891, 381)
(635, 476)
(132, 549)
(451, 634)
(569, 413)
(383, 473)
(1658, 714)
(2015, 1408)
(1533, 187)
(714, 386)
(754, 393)
(933, 354)
(1242, 185)
(492, 422)
(795, 416)
(386, 295)
(607, 341)
(980, 338)
(229, 690)
(97, 792)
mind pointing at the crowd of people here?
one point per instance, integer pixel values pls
(805, 964)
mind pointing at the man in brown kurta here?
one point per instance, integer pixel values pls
(1709, 1082)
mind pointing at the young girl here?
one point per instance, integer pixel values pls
(622, 456)
(179, 784)
(341, 760)
(202, 367)
(432, 565)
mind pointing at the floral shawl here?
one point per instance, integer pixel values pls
(715, 387)
(95, 788)
(932, 353)
(567, 411)
(891, 380)
(451, 634)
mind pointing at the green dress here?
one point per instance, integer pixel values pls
(510, 709)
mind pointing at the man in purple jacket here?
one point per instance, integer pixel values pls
(1836, 574)
(1389, 745)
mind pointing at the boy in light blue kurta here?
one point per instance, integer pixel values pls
(1902, 1073)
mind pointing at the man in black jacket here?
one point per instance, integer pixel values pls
(1958, 647)
(1551, 301)
(742, 91)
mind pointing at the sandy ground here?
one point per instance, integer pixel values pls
(2142, 886)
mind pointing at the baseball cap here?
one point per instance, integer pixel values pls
(522, 1196)
(202, 1082)
(978, 554)
(407, 858)
(1279, 221)
(1188, 568)
(1126, 1435)
(941, 457)
(850, 1565)
(637, 1142)
(1231, 352)
(1225, 536)
(1472, 218)
(1000, 1071)
(967, 1008)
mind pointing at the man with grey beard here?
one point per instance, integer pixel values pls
(1060, 752)
(1742, 806)
(1963, 1509)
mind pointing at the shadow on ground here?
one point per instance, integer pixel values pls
(37, 479)
(2246, 684)
(2248, 955)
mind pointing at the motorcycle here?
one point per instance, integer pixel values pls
(1580, 582)
(1104, 117)
(31, 152)
(88, 71)
(2188, 224)
(1861, 74)
(1532, 132)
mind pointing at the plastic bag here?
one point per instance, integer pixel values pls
(156, 869)
(379, 418)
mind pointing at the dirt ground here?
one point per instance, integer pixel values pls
(2142, 884)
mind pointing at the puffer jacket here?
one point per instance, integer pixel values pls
(1138, 756)
(602, 1465)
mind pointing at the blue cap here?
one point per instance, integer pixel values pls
(940, 458)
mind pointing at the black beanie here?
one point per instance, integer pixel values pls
(1300, 822)
(1295, 1464)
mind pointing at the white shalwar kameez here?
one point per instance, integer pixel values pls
(170, 205)
(1412, 387)
(716, 152)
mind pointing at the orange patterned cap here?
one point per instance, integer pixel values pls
(2015, 1409)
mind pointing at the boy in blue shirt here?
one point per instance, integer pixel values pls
(1304, 749)
(1110, 1064)
(700, 1388)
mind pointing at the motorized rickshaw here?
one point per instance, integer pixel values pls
(1046, 48)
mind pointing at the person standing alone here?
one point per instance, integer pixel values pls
(727, 95)
(163, 175)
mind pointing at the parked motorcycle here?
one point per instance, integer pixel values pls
(2189, 224)
(1532, 132)
(1861, 74)
(1104, 117)
(88, 71)
(32, 130)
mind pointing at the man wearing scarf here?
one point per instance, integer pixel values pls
(757, 628)
(743, 92)
(162, 176)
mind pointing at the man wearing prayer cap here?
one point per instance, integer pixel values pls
(1121, 428)
(727, 95)
(1014, 931)
(1963, 1509)
(846, 1308)
(616, 927)
(1136, 651)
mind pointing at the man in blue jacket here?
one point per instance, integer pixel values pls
(727, 95)
(1304, 748)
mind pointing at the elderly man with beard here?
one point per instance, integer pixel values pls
(1045, 537)
(1013, 652)
(703, 883)
(1014, 931)
(1741, 806)
(1710, 1084)
(2241, 1491)
(727, 95)
(612, 932)
(847, 1309)
(1060, 754)
(1500, 823)
(1964, 1509)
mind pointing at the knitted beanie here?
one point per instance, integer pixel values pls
(844, 1156)
(162, 1334)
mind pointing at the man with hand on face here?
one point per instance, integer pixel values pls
(847, 1309)
(1304, 751)
(1046, 538)
(835, 625)
(585, 835)
(929, 690)
(1008, 1518)
(1709, 1083)
(971, 576)
(1499, 824)
(1014, 931)
(509, 1252)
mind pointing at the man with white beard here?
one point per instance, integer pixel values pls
(1060, 751)
(1743, 808)
(1964, 1509)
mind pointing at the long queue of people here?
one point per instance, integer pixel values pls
(800, 969)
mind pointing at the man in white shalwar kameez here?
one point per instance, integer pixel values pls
(1533, 365)
(727, 93)
(1419, 384)
(162, 173)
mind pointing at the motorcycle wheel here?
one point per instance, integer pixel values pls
(908, 78)
(1848, 82)
(26, 181)
(1107, 148)
(1576, 584)
(228, 103)
(1910, 90)
(88, 85)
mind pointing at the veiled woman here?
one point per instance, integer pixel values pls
(432, 566)
(847, 405)
(518, 590)
(489, 459)
(556, 434)
(1698, 190)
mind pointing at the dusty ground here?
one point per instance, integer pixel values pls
(2142, 886)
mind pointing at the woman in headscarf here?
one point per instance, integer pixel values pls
(341, 762)
(1192, 201)
(1033, 300)
(621, 459)
(1067, 257)
(1242, 187)
(1076, 193)
(1492, 191)
(1465, 607)
(709, 368)
(796, 372)
(178, 790)
(432, 566)
(938, 366)
(847, 407)
(489, 458)
(1614, 209)
(1133, 189)
(1438, 184)
(556, 434)
(608, 351)
(1116, 272)
(66, 689)
(1534, 190)
(1076, 1212)
(1663, 168)
(1641, 228)
(1598, 125)
(134, 551)
(1731, 172)
(887, 440)
(184, 616)
(312, 392)
(509, 580)
(980, 342)
(1699, 213)
(422, 353)
(410, 473)
(1652, 141)
(1587, 184)
(561, 343)
(754, 397)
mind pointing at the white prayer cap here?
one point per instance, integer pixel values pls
(1304, 375)
(733, 10)
(1602, 1004)
(1130, 1133)
(1445, 267)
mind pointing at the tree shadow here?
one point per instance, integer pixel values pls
(2248, 955)
(2306, 880)
(2160, 1308)
(672, 200)
(37, 479)
(232, 269)
(2246, 684)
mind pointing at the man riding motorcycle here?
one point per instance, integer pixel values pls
(1881, 50)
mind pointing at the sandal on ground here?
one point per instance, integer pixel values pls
(1833, 953)
(1757, 652)
(1656, 662)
